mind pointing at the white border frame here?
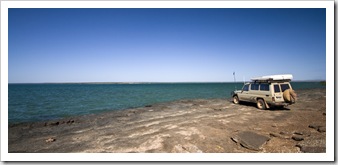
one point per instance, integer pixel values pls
(328, 156)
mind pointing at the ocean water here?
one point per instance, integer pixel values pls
(40, 102)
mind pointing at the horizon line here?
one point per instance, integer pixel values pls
(149, 82)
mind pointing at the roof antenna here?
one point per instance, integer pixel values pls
(234, 74)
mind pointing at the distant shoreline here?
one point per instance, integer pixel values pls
(153, 82)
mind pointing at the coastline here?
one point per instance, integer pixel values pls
(53, 101)
(197, 126)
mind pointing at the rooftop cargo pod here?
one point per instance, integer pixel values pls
(280, 77)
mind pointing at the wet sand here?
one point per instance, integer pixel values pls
(186, 126)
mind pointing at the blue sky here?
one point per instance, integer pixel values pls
(164, 45)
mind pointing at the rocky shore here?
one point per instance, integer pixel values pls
(185, 126)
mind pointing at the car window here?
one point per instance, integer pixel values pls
(284, 87)
(277, 89)
(254, 86)
(246, 87)
(264, 87)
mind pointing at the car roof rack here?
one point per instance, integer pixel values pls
(271, 81)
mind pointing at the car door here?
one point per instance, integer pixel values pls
(253, 92)
(245, 92)
(278, 94)
(264, 90)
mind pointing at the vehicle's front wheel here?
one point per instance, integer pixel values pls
(235, 99)
(261, 104)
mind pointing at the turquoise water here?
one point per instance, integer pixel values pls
(39, 102)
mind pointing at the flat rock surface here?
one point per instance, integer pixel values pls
(250, 140)
(185, 126)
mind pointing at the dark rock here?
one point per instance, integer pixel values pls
(148, 106)
(274, 135)
(59, 123)
(283, 133)
(70, 121)
(279, 135)
(321, 129)
(298, 133)
(54, 123)
(312, 149)
(305, 133)
(315, 126)
(297, 137)
(250, 140)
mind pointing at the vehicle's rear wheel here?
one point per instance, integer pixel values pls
(261, 104)
(235, 99)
